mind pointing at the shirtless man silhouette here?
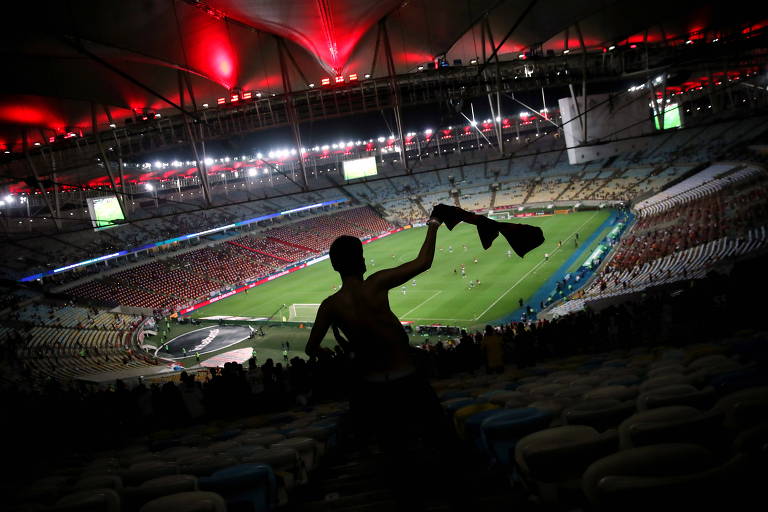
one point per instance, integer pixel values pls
(388, 397)
(361, 311)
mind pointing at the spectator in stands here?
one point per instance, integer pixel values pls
(493, 351)
(390, 398)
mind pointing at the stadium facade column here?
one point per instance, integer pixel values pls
(107, 166)
(199, 162)
(31, 164)
(495, 53)
(120, 167)
(495, 112)
(583, 81)
(289, 109)
(392, 71)
(659, 112)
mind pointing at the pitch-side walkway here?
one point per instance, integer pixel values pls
(545, 289)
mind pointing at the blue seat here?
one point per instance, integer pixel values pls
(245, 486)
(225, 435)
(449, 395)
(501, 432)
(458, 404)
(472, 426)
(730, 382)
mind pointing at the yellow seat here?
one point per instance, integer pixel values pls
(462, 414)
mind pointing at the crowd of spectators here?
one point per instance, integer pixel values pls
(670, 316)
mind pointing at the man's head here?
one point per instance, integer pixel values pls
(347, 256)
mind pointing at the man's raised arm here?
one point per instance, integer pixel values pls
(390, 278)
(319, 330)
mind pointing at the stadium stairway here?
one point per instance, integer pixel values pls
(417, 202)
(302, 247)
(258, 251)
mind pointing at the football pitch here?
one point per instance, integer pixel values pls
(440, 295)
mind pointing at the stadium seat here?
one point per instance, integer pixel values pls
(178, 452)
(306, 447)
(453, 405)
(246, 486)
(197, 501)
(671, 369)
(205, 464)
(670, 424)
(614, 392)
(658, 477)
(555, 458)
(143, 471)
(99, 482)
(90, 500)
(134, 498)
(663, 381)
(744, 409)
(270, 439)
(461, 415)
(501, 432)
(222, 446)
(473, 425)
(600, 414)
(679, 394)
(284, 461)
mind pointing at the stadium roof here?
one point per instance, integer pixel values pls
(61, 57)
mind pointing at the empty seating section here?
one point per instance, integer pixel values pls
(548, 189)
(478, 198)
(287, 252)
(67, 341)
(257, 463)
(365, 219)
(227, 264)
(512, 193)
(663, 415)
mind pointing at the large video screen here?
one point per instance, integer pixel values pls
(104, 211)
(360, 168)
(671, 117)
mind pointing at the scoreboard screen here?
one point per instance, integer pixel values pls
(360, 168)
(671, 117)
(104, 212)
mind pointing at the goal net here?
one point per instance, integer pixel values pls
(499, 215)
(302, 312)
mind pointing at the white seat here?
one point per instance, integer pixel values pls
(196, 501)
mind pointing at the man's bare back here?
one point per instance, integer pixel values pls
(361, 311)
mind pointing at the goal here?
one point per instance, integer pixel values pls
(302, 312)
(499, 216)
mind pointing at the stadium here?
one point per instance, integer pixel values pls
(177, 333)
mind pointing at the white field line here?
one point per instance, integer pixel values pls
(532, 269)
(445, 319)
(422, 303)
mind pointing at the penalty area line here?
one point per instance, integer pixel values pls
(438, 292)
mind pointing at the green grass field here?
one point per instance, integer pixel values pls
(439, 296)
